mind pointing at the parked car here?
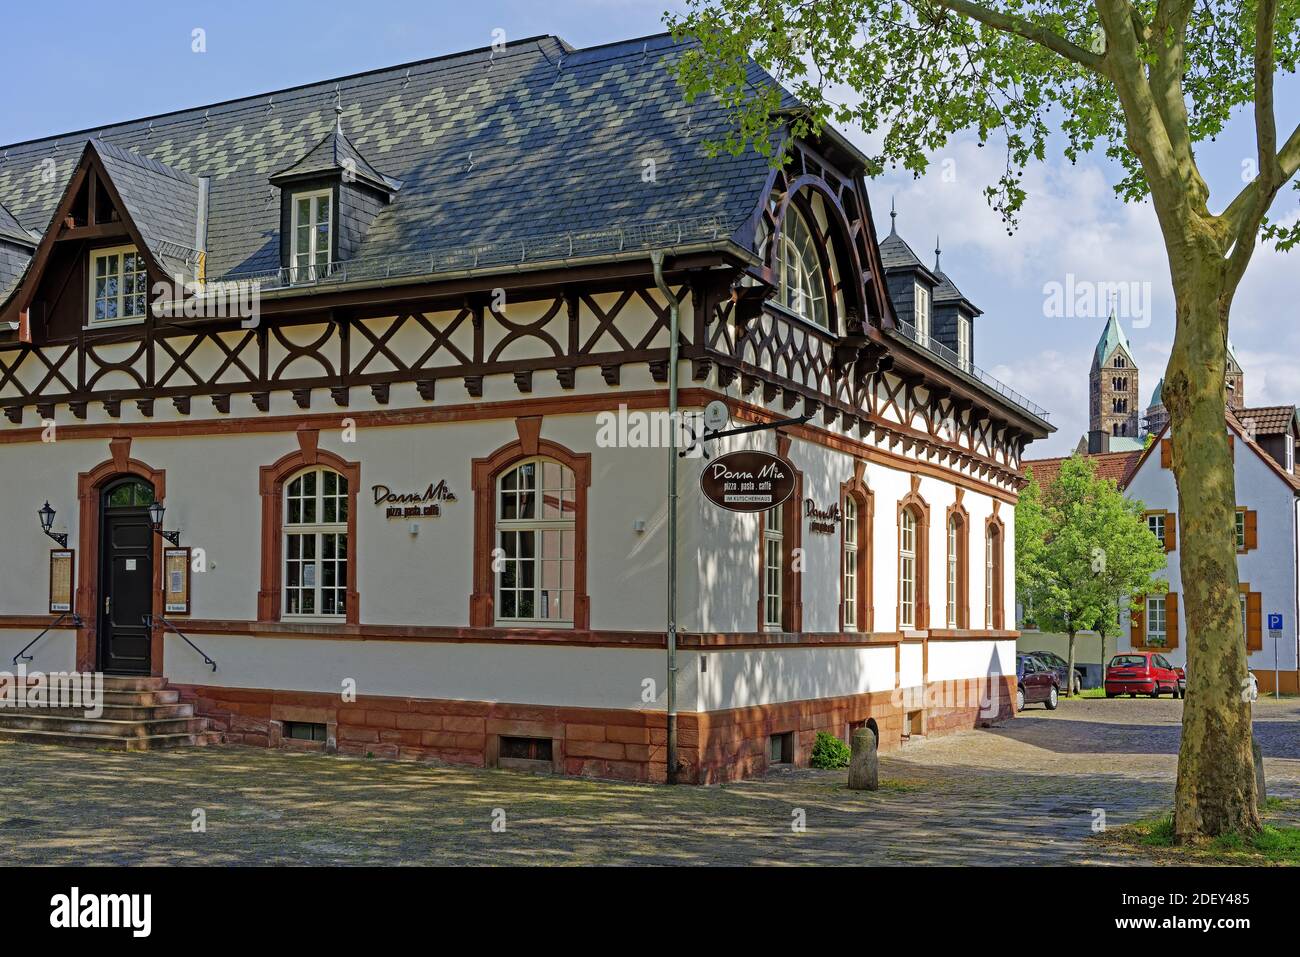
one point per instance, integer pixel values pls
(1035, 682)
(1144, 672)
(1059, 665)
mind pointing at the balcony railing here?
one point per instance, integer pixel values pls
(541, 248)
(968, 368)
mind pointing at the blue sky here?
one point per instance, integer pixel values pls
(113, 67)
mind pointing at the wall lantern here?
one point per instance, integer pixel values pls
(156, 511)
(47, 513)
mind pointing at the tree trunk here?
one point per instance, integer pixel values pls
(1069, 671)
(1216, 792)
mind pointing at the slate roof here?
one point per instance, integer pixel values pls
(1111, 337)
(1110, 465)
(1268, 419)
(895, 253)
(538, 138)
(14, 231)
(163, 202)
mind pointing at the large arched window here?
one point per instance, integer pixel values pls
(536, 531)
(315, 544)
(801, 283)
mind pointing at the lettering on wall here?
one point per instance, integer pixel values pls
(426, 504)
(823, 521)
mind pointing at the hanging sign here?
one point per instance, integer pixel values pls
(747, 481)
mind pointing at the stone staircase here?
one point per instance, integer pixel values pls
(139, 714)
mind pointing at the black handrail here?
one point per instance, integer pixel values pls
(148, 623)
(76, 622)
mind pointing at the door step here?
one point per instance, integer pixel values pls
(140, 713)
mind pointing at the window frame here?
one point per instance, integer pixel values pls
(274, 480)
(861, 551)
(312, 266)
(922, 311)
(1148, 632)
(484, 473)
(121, 252)
(797, 238)
(315, 532)
(774, 573)
(957, 566)
(995, 547)
(536, 525)
(963, 341)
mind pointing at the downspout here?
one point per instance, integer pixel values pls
(657, 258)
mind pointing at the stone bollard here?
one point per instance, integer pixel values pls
(864, 765)
(1258, 752)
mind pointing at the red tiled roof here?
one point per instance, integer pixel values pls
(1268, 419)
(1110, 465)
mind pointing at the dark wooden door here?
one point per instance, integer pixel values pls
(126, 580)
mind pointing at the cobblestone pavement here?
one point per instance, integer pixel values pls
(1023, 792)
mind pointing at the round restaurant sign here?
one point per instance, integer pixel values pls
(747, 481)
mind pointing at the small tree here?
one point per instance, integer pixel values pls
(1095, 546)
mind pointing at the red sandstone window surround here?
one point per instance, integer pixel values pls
(530, 501)
(287, 588)
(856, 600)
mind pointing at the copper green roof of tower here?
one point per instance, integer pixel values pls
(1111, 337)
(1156, 398)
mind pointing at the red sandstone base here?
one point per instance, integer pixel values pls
(713, 746)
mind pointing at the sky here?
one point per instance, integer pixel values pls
(76, 65)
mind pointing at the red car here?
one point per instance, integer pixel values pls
(1144, 672)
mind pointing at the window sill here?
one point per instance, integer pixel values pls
(527, 625)
(112, 324)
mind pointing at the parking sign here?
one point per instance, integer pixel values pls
(1274, 621)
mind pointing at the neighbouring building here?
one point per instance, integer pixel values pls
(1266, 529)
(391, 353)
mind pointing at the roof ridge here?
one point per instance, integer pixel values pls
(87, 132)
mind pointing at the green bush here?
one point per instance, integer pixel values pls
(829, 752)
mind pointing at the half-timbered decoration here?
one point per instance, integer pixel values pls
(357, 346)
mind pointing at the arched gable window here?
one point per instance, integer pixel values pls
(801, 282)
(530, 534)
(535, 530)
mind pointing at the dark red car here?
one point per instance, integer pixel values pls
(1035, 681)
(1144, 672)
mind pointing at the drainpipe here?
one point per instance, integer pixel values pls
(657, 258)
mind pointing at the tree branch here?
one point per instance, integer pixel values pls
(1250, 215)
(1025, 28)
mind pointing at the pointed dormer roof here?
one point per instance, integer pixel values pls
(1157, 399)
(1112, 337)
(335, 155)
(166, 205)
(946, 291)
(16, 247)
(894, 251)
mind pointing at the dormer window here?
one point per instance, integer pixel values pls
(313, 235)
(922, 315)
(119, 286)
